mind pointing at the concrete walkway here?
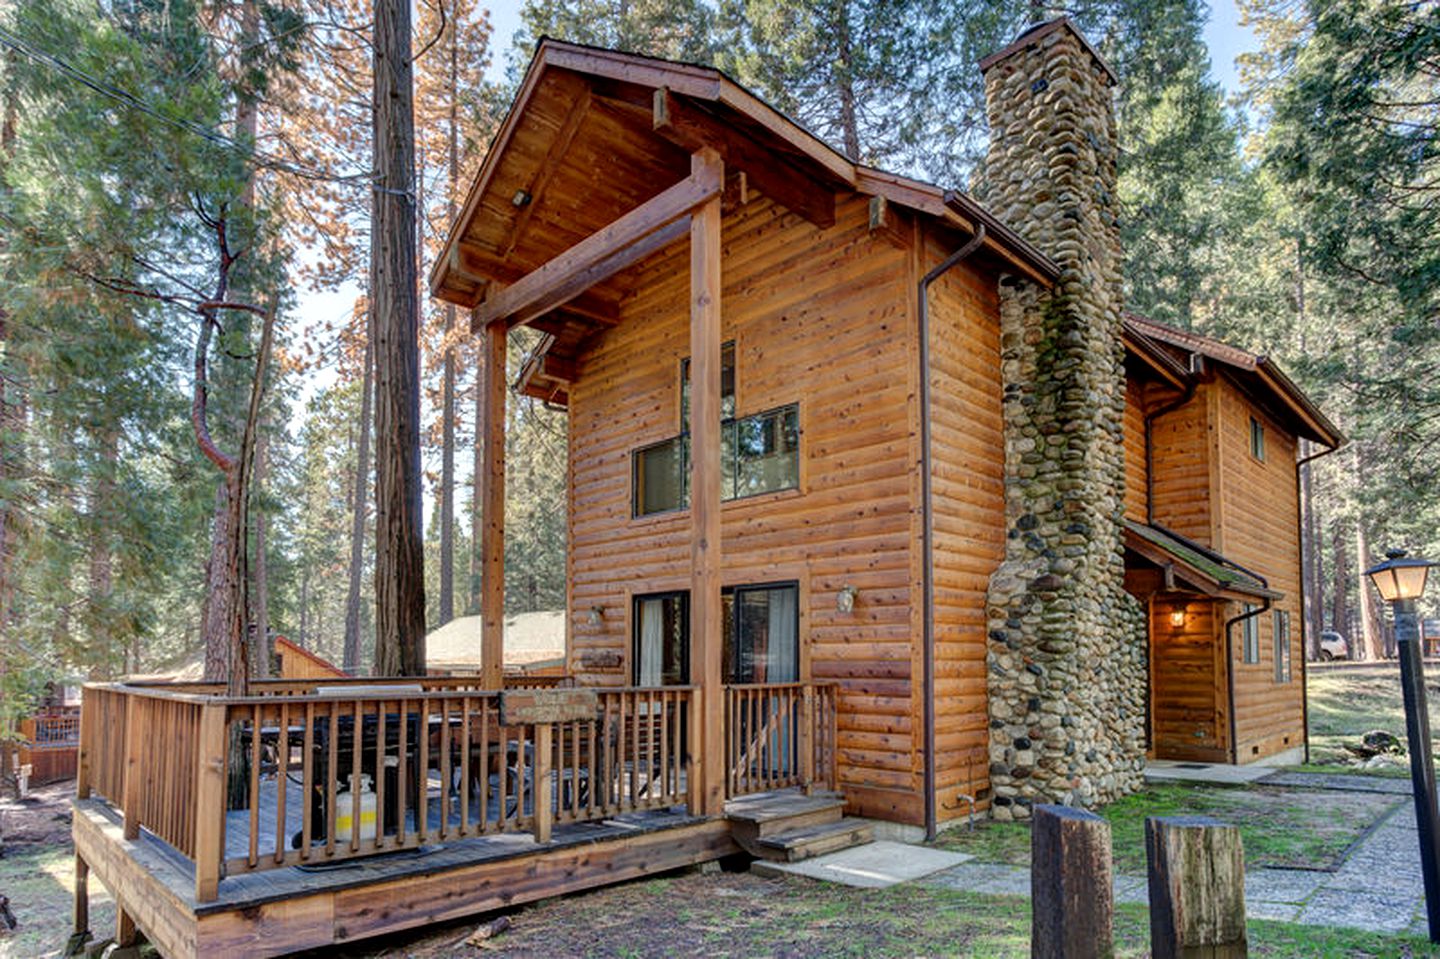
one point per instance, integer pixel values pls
(1378, 887)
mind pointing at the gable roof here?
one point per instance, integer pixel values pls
(581, 146)
(1257, 375)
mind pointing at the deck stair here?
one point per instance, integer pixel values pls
(788, 826)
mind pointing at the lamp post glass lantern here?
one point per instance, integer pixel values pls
(1400, 580)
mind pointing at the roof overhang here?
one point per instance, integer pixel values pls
(712, 105)
(1208, 574)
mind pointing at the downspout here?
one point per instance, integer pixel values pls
(928, 524)
(1304, 659)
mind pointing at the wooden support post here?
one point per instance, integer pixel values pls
(705, 614)
(83, 774)
(210, 803)
(82, 898)
(807, 738)
(544, 754)
(1073, 911)
(125, 934)
(492, 547)
(1197, 888)
(130, 789)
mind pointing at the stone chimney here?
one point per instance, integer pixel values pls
(1066, 647)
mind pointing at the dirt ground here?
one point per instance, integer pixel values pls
(37, 875)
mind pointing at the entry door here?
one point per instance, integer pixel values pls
(1186, 680)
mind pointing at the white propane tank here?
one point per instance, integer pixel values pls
(345, 811)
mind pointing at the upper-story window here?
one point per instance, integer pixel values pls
(1257, 439)
(727, 386)
(758, 453)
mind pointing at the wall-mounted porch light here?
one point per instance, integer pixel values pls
(520, 198)
(596, 616)
(1177, 617)
(845, 599)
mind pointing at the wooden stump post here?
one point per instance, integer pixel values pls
(1197, 888)
(1073, 909)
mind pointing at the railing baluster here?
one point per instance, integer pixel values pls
(422, 803)
(282, 779)
(255, 729)
(464, 766)
(485, 765)
(357, 746)
(402, 774)
(379, 775)
(307, 784)
(332, 773)
(502, 816)
(445, 777)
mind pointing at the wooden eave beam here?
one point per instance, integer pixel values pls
(604, 253)
(477, 269)
(694, 128)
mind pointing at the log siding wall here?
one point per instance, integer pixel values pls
(818, 318)
(968, 468)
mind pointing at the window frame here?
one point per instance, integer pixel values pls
(636, 600)
(1280, 630)
(683, 439)
(1250, 636)
(1257, 439)
(733, 638)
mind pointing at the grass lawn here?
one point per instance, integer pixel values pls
(40, 881)
(1347, 703)
(740, 915)
(1279, 827)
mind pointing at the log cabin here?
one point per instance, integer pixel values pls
(879, 507)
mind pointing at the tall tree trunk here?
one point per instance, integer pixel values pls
(845, 82)
(351, 655)
(11, 417)
(1371, 625)
(1340, 587)
(477, 513)
(101, 558)
(260, 571)
(447, 442)
(1312, 574)
(399, 548)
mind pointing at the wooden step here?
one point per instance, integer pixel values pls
(798, 844)
(769, 814)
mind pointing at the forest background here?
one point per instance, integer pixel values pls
(185, 196)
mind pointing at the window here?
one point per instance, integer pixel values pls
(762, 634)
(758, 454)
(1282, 646)
(1257, 439)
(761, 626)
(1250, 632)
(727, 386)
(662, 639)
(661, 478)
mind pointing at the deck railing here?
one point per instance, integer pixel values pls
(266, 781)
(779, 735)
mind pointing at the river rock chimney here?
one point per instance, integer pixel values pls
(1066, 643)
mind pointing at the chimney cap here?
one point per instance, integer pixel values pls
(1033, 34)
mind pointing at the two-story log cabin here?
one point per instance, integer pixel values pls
(871, 487)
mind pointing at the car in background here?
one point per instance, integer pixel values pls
(1333, 646)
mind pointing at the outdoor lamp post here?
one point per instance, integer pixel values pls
(1401, 580)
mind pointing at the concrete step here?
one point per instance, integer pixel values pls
(808, 842)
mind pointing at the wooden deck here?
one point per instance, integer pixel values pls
(228, 839)
(277, 911)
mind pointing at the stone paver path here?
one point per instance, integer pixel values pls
(1378, 887)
